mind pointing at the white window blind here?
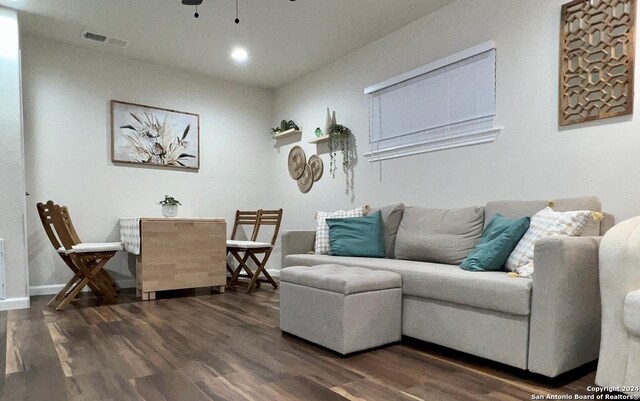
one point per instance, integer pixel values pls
(448, 103)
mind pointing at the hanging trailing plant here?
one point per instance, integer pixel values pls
(339, 139)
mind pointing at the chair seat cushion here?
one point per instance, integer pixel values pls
(341, 279)
(87, 247)
(494, 291)
(247, 244)
(632, 313)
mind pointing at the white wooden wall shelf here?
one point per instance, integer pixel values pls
(287, 133)
(320, 139)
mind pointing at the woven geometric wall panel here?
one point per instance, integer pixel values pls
(597, 48)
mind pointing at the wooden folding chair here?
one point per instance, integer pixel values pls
(86, 260)
(250, 249)
(243, 218)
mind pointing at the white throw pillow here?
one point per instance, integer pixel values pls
(545, 223)
(323, 246)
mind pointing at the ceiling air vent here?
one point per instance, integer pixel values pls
(96, 37)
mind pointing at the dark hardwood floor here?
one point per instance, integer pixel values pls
(196, 346)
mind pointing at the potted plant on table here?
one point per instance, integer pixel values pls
(169, 206)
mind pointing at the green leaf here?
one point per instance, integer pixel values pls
(186, 131)
(131, 127)
(185, 155)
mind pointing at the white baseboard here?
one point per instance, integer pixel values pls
(55, 288)
(14, 303)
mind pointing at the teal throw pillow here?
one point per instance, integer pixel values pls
(357, 236)
(498, 240)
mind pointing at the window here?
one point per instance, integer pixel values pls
(445, 104)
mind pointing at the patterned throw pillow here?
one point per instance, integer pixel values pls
(545, 223)
(323, 246)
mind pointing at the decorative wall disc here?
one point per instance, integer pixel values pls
(305, 182)
(317, 167)
(297, 162)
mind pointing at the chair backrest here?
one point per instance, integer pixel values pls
(270, 218)
(63, 226)
(66, 217)
(246, 218)
(257, 219)
(57, 224)
(45, 211)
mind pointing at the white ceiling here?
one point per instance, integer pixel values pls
(284, 39)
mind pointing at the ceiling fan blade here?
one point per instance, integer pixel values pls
(192, 2)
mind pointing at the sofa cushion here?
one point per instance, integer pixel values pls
(391, 217)
(545, 223)
(513, 209)
(592, 228)
(322, 245)
(494, 291)
(439, 235)
(518, 209)
(357, 236)
(498, 240)
(341, 279)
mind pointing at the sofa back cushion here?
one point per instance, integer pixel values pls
(513, 210)
(391, 217)
(438, 235)
(518, 209)
(592, 203)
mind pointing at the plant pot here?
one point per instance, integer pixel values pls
(169, 210)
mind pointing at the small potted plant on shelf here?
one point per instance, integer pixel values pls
(292, 125)
(169, 206)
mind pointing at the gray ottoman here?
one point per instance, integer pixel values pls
(346, 309)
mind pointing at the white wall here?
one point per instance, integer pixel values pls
(12, 212)
(67, 92)
(532, 159)
(67, 129)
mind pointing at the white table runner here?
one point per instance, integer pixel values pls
(130, 234)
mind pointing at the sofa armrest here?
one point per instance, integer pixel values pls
(565, 305)
(295, 242)
(631, 313)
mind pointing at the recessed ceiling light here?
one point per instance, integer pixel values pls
(239, 55)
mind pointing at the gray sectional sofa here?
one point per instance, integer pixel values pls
(548, 324)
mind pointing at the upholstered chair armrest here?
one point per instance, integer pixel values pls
(632, 313)
(565, 305)
(619, 282)
(296, 242)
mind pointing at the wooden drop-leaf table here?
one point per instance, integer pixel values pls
(180, 253)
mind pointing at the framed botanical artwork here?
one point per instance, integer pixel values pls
(154, 136)
(597, 52)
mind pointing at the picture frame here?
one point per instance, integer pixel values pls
(597, 60)
(154, 136)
